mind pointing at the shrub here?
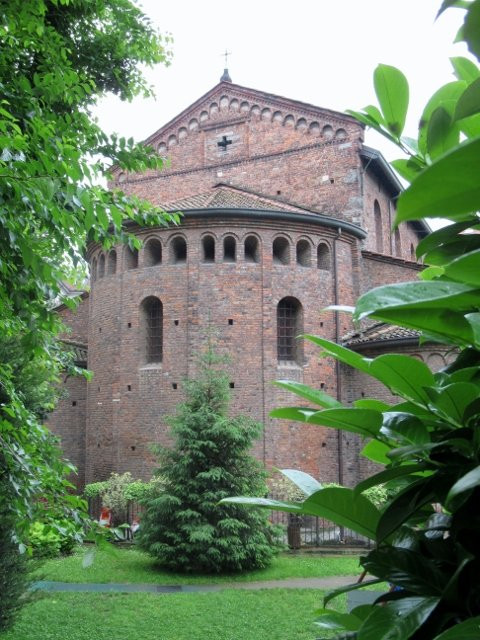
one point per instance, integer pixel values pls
(183, 526)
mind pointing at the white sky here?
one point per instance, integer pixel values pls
(319, 51)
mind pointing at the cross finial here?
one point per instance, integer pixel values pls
(226, 76)
(226, 54)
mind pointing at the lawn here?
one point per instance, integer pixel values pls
(279, 614)
(132, 565)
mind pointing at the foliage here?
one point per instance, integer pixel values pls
(47, 541)
(426, 536)
(183, 526)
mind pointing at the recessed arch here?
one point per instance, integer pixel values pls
(182, 133)
(178, 250)
(398, 243)
(314, 128)
(172, 140)
(281, 251)
(277, 117)
(340, 134)
(131, 258)
(323, 257)
(93, 271)
(152, 252)
(203, 116)
(304, 253)
(193, 124)
(112, 263)
(266, 114)
(208, 248)
(101, 265)
(301, 124)
(377, 215)
(289, 326)
(251, 248)
(152, 325)
(229, 249)
(289, 121)
(327, 132)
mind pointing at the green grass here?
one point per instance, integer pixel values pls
(131, 565)
(279, 614)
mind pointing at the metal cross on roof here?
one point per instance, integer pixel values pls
(226, 54)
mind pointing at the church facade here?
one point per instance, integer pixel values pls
(285, 211)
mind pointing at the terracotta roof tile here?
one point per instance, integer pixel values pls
(379, 332)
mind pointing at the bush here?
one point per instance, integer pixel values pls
(48, 540)
(183, 526)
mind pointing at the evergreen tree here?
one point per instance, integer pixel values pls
(184, 527)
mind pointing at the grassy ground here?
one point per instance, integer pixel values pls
(131, 565)
(279, 614)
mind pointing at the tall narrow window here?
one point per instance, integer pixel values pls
(152, 254)
(398, 243)
(252, 252)
(94, 270)
(323, 256)
(131, 258)
(229, 249)
(112, 263)
(412, 252)
(281, 251)
(153, 329)
(377, 214)
(289, 326)
(101, 266)
(178, 250)
(303, 253)
(208, 249)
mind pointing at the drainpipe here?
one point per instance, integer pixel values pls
(337, 362)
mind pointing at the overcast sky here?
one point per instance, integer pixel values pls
(317, 51)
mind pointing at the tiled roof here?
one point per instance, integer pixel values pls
(226, 197)
(379, 332)
(79, 351)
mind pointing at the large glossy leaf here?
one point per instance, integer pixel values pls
(305, 482)
(453, 399)
(372, 121)
(443, 100)
(466, 630)
(452, 249)
(467, 482)
(313, 395)
(449, 188)
(371, 403)
(469, 102)
(442, 133)
(385, 623)
(405, 427)
(333, 620)
(465, 269)
(265, 503)
(471, 28)
(445, 234)
(363, 421)
(408, 168)
(391, 87)
(389, 474)
(347, 588)
(409, 501)
(404, 375)
(347, 356)
(417, 295)
(342, 506)
(465, 69)
(376, 451)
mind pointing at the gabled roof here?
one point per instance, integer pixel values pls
(380, 333)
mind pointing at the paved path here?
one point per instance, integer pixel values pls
(113, 587)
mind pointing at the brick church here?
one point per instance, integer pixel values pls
(285, 211)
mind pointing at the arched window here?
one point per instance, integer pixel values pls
(289, 326)
(178, 250)
(303, 253)
(152, 254)
(323, 257)
(152, 310)
(112, 263)
(377, 214)
(131, 258)
(252, 251)
(398, 243)
(101, 266)
(412, 252)
(94, 270)
(229, 249)
(208, 249)
(281, 251)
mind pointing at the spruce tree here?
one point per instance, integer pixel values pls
(184, 527)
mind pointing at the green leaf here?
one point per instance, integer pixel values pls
(445, 99)
(408, 168)
(417, 295)
(466, 630)
(465, 69)
(264, 503)
(343, 354)
(446, 4)
(342, 506)
(469, 102)
(388, 474)
(453, 399)
(404, 505)
(440, 236)
(376, 451)
(403, 375)
(465, 483)
(313, 395)
(471, 28)
(362, 421)
(385, 623)
(442, 133)
(449, 188)
(302, 480)
(333, 620)
(349, 587)
(372, 403)
(391, 87)
(408, 428)
(465, 269)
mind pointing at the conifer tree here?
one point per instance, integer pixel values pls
(184, 527)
